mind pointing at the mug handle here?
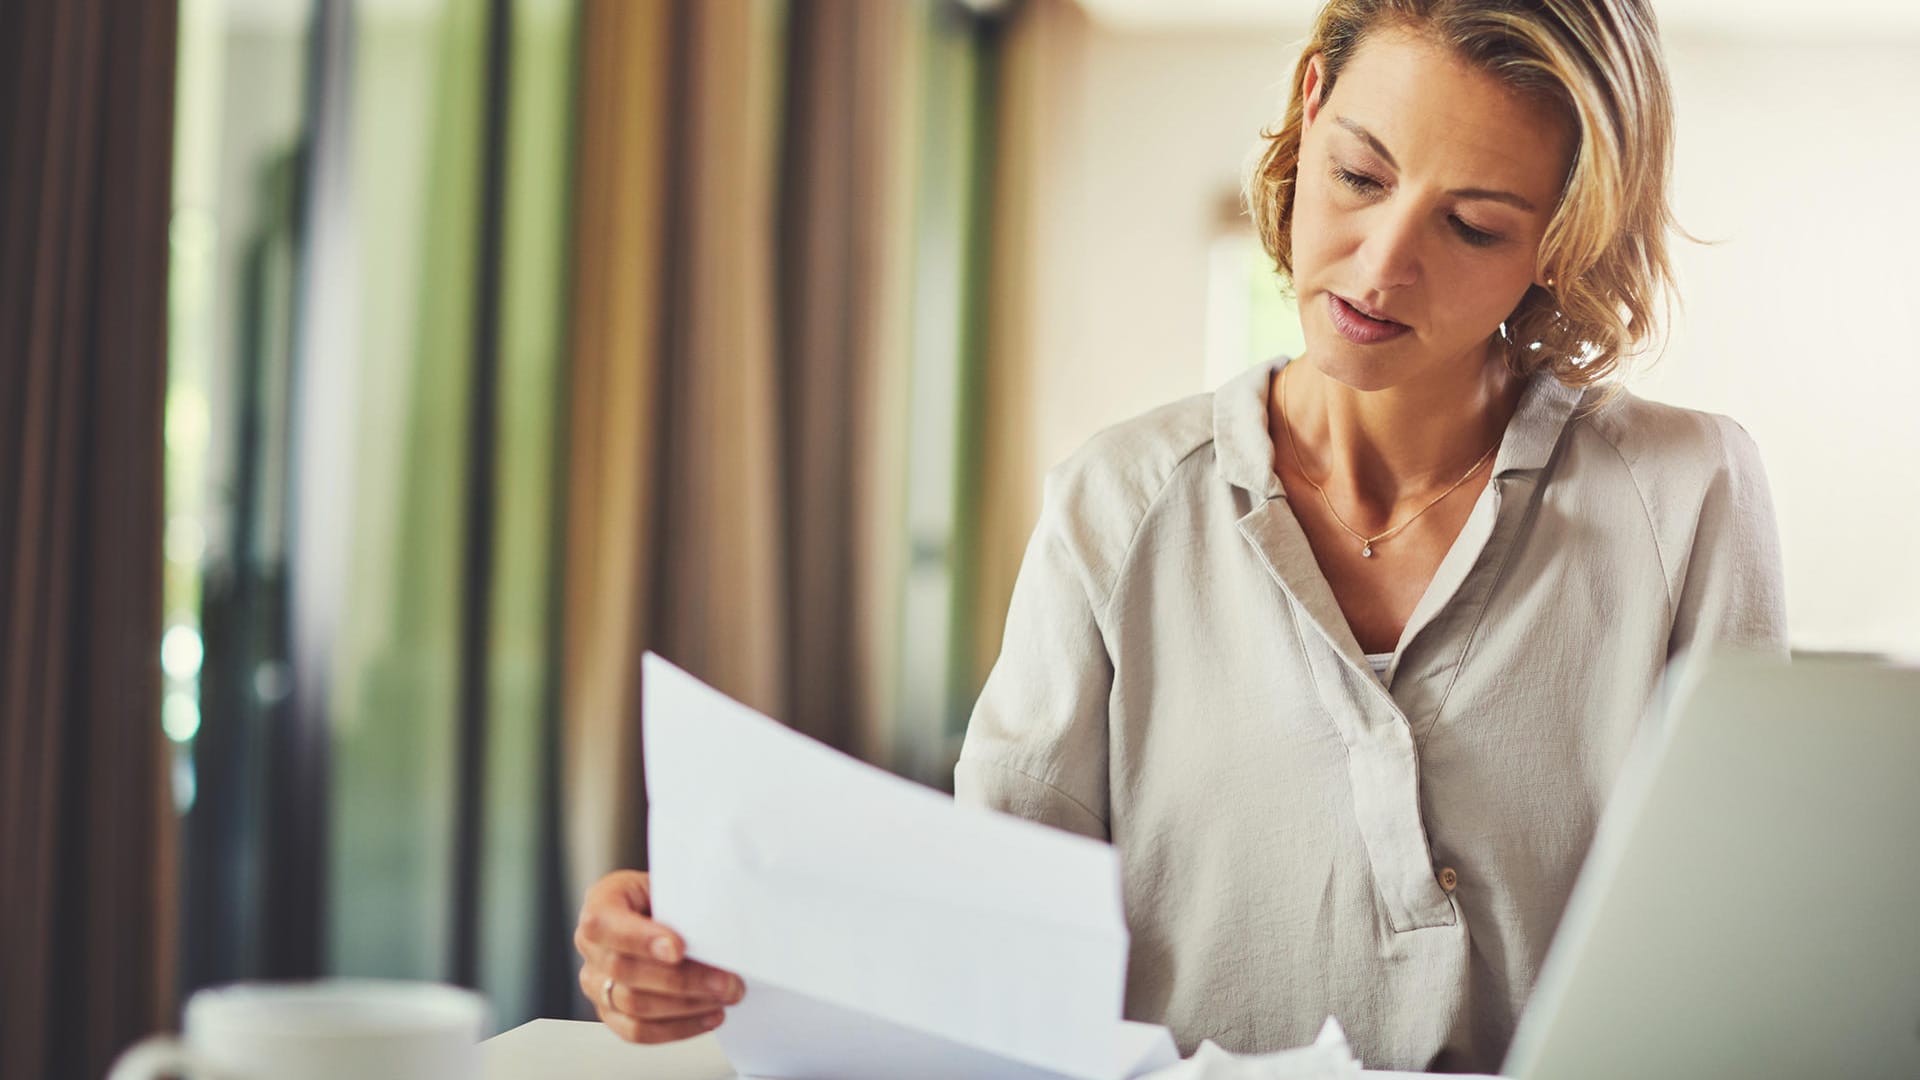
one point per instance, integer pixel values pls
(159, 1055)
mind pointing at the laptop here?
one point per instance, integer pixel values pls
(1751, 904)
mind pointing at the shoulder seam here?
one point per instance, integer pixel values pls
(1646, 513)
(1139, 527)
(993, 763)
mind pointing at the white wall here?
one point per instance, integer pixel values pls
(1799, 322)
(1152, 135)
(1799, 158)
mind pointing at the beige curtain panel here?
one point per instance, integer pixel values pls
(737, 333)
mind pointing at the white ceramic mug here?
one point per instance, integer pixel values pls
(366, 1029)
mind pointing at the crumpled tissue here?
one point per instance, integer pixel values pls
(1327, 1058)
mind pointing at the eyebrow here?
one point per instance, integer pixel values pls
(1378, 147)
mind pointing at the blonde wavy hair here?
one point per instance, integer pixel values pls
(1605, 248)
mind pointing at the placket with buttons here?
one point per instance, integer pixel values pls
(1376, 726)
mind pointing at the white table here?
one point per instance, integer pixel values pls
(586, 1050)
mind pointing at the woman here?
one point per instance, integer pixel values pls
(1344, 657)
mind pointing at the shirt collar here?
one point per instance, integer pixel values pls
(1243, 445)
(1537, 423)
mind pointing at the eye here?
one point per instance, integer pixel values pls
(1360, 182)
(1476, 237)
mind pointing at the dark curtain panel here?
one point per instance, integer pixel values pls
(86, 832)
(844, 77)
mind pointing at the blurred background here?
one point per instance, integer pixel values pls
(481, 345)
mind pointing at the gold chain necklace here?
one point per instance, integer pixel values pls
(1366, 542)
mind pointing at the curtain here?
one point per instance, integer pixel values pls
(615, 321)
(675, 402)
(376, 750)
(843, 315)
(740, 327)
(526, 932)
(1038, 108)
(86, 832)
(438, 695)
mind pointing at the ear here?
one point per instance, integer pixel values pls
(1312, 88)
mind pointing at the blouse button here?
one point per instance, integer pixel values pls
(1448, 879)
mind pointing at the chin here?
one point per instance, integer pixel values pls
(1358, 367)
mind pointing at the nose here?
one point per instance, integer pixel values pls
(1390, 252)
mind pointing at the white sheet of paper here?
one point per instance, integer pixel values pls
(1328, 1057)
(881, 929)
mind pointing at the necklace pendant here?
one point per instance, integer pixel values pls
(1367, 552)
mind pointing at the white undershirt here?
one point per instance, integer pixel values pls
(1379, 662)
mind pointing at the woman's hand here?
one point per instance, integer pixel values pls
(656, 994)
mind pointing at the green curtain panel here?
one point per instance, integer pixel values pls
(374, 753)
(529, 335)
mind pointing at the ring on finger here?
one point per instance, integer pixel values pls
(606, 995)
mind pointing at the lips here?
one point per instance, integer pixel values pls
(1358, 325)
(1371, 313)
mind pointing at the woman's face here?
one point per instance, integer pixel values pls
(1424, 189)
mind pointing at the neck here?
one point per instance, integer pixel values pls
(1383, 448)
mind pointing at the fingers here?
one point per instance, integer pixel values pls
(621, 931)
(656, 1007)
(657, 994)
(630, 887)
(641, 1006)
(648, 1018)
(661, 1031)
(687, 979)
(615, 917)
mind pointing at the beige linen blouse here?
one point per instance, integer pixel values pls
(1300, 838)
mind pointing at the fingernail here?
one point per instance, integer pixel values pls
(712, 1021)
(663, 950)
(720, 985)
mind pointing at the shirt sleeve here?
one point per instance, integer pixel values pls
(1732, 590)
(1036, 745)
